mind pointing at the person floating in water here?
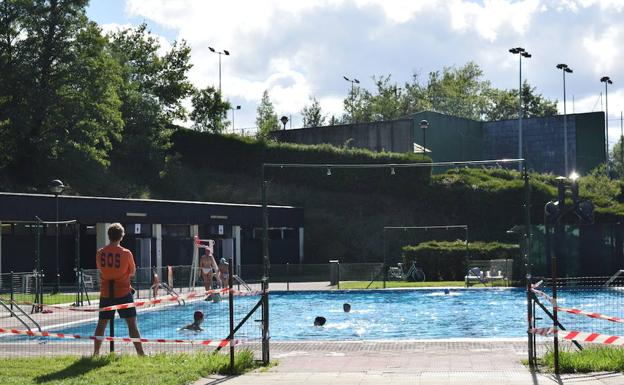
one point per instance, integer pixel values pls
(198, 318)
(319, 321)
(447, 291)
(346, 307)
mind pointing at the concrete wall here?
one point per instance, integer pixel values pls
(394, 135)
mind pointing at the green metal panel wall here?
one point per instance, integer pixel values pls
(450, 138)
(590, 145)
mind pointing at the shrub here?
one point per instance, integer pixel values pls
(448, 261)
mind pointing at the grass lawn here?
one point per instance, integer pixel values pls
(161, 369)
(50, 299)
(590, 359)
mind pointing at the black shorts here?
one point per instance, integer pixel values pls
(123, 313)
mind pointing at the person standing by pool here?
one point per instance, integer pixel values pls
(208, 267)
(224, 272)
(116, 266)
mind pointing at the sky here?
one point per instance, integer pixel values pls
(298, 49)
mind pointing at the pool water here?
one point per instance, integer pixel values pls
(376, 314)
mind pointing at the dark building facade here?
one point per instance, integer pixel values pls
(158, 232)
(449, 138)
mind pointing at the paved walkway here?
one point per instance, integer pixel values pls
(439, 363)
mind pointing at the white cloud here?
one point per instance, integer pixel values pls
(606, 47)
(297, 49)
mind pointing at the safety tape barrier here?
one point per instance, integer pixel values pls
(221, 343)
(154, 301)
(580, 336)
(577, 311)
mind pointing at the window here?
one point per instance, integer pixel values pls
(276, 233)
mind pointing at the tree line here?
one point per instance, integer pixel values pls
(75, 101)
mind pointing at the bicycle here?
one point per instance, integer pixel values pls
(414, 273)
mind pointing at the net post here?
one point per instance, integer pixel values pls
(231, 305)
(527, 259)
(111, 295)
(530, 346)
(385, 269)
(287, 276)
(265, 322)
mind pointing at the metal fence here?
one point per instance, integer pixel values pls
(64, 322)
(588, 310)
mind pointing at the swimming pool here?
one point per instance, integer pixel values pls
(376, 315)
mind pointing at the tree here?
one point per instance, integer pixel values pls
(152, 89)
(503, 104)
(266, 118)
(58, 90)
(312, 114)
(209, 110)
(617, 159)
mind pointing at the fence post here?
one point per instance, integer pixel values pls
(265, 322)
(338, 277)
(287, 276)
(231, 303)
(111, 295)
(12, 290)
(530, 347)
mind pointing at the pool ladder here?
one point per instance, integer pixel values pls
(17, 316)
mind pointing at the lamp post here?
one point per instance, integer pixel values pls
(233, 109)
(564, 68)
(57, 187)
(606, 80)
(224, 52)
(352, 81)
(424, 125)
(284, 120)
(521, 52)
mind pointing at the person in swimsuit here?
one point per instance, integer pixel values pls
(208, 267)
(224, 271)
(198, 318)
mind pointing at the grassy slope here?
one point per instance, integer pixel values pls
(162, 369)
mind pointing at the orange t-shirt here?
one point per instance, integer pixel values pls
(115, 264)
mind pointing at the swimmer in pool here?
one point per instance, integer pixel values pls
(198, 318)
(346, 307)
(319, 321)
(447, 291)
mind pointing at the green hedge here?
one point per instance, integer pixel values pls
(448, 261)
(238, 155)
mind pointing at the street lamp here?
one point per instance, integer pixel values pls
(352, 81)
(284, 120)
(564, 68)
(424, 125)
(606, 80)
(224, 52)
(57, 187)
(233, 109)
(521, 52)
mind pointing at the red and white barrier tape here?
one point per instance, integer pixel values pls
(578, 311)
(580, 336)
(221, 343)
(155, 301)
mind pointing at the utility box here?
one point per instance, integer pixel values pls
(334, 272)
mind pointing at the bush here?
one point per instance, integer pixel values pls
(448, 261)
(238, 155)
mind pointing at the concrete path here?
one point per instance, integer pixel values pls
(439, 363)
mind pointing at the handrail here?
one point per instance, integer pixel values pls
(240, 281)
(614, 277)
(18, 317)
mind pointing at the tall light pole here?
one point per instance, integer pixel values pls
(352, 81)
(224, 52)
(606, 80)
(521, 52)
(57, 187)
(564, 68)
(233, 109)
